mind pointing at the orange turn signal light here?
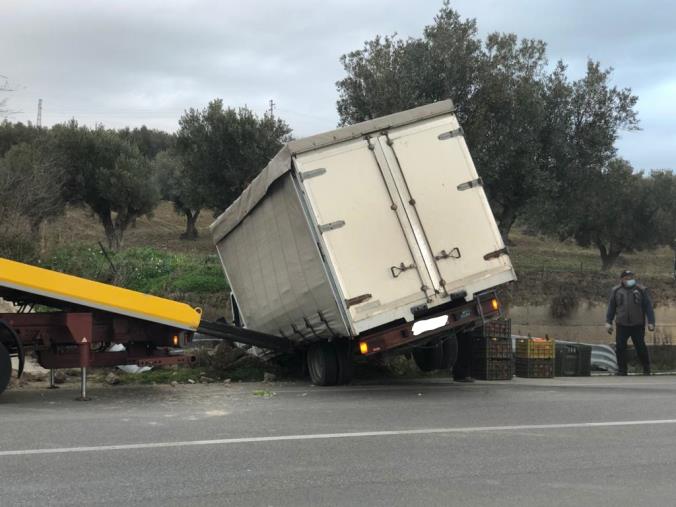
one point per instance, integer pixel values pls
(363, 347)
(495, 304)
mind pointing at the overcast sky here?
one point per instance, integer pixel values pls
(135, 62)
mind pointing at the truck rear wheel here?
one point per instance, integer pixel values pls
(429, 357)
(322, 363)
(5, 367)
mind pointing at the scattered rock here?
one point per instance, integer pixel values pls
(174, 383)
(269, 377)
(224, 355)
(112, 379)
(17, 382)
(202, 356)
(227, 381)
(249, 361)
(34, 376)
(191, 381)
(206, 380)
(59, 377)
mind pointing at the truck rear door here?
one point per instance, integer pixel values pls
(376, 261)
(444, 198)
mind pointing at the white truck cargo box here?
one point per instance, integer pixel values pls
(353, 229)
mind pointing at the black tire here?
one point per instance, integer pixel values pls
(345, 362)
(5, 367)
(429, 357)
(449, 353)
(322, 364)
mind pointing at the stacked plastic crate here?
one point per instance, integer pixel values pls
(535, 357)
(572, 360)
(492, 351)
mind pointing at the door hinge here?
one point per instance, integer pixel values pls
(496, 254)
(357, 300)
(311, 174)
(471, 184)
(449, 135)
(453, 254)
(331, 226)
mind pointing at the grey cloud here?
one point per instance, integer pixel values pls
(132, 62)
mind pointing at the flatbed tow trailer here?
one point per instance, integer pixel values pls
(71, 322)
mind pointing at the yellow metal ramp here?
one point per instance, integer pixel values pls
(100, 296)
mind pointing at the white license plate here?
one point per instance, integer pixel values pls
(423, 326)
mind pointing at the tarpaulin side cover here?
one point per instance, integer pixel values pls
(275, 270)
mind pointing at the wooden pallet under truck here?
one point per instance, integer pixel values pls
(71, 322)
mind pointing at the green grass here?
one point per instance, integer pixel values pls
(145, 269)
(533, 254)
(161, 376)
(262, 393)
(182, 374)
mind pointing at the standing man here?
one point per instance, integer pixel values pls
(630, 306)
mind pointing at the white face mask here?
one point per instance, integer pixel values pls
(630, 283)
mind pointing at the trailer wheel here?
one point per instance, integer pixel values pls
(449, 353)
(429, 357)
(5, 367)
(345, 363)
(322, 363)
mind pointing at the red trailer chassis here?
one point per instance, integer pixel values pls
(81, 338)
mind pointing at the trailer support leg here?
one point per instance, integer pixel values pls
(52, 383)
(81, 328)
(85, 359)
(83, 385)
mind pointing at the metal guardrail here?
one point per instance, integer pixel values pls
(602, 357)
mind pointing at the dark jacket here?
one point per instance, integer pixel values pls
(630, 306)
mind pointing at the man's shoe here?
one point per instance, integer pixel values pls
(647, 372)
(466, 380)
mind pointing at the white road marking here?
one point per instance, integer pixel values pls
(325, 436)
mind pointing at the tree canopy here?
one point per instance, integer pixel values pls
(530, 130)
(106, 173)
(177, 186)
(224, 148)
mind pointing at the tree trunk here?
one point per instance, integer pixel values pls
(38, 234)
(609, 255)
(110, 230)
(191, 231)
(122, 222)
(505, 222)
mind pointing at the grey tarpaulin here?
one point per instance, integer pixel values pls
(275, 270)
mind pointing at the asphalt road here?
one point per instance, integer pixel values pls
(574, 441)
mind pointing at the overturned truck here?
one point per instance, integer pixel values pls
(371, 239)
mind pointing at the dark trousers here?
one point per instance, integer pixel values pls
(463, 364)
(637, 335)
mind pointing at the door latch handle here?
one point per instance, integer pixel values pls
(453, 254)
(397, 270)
